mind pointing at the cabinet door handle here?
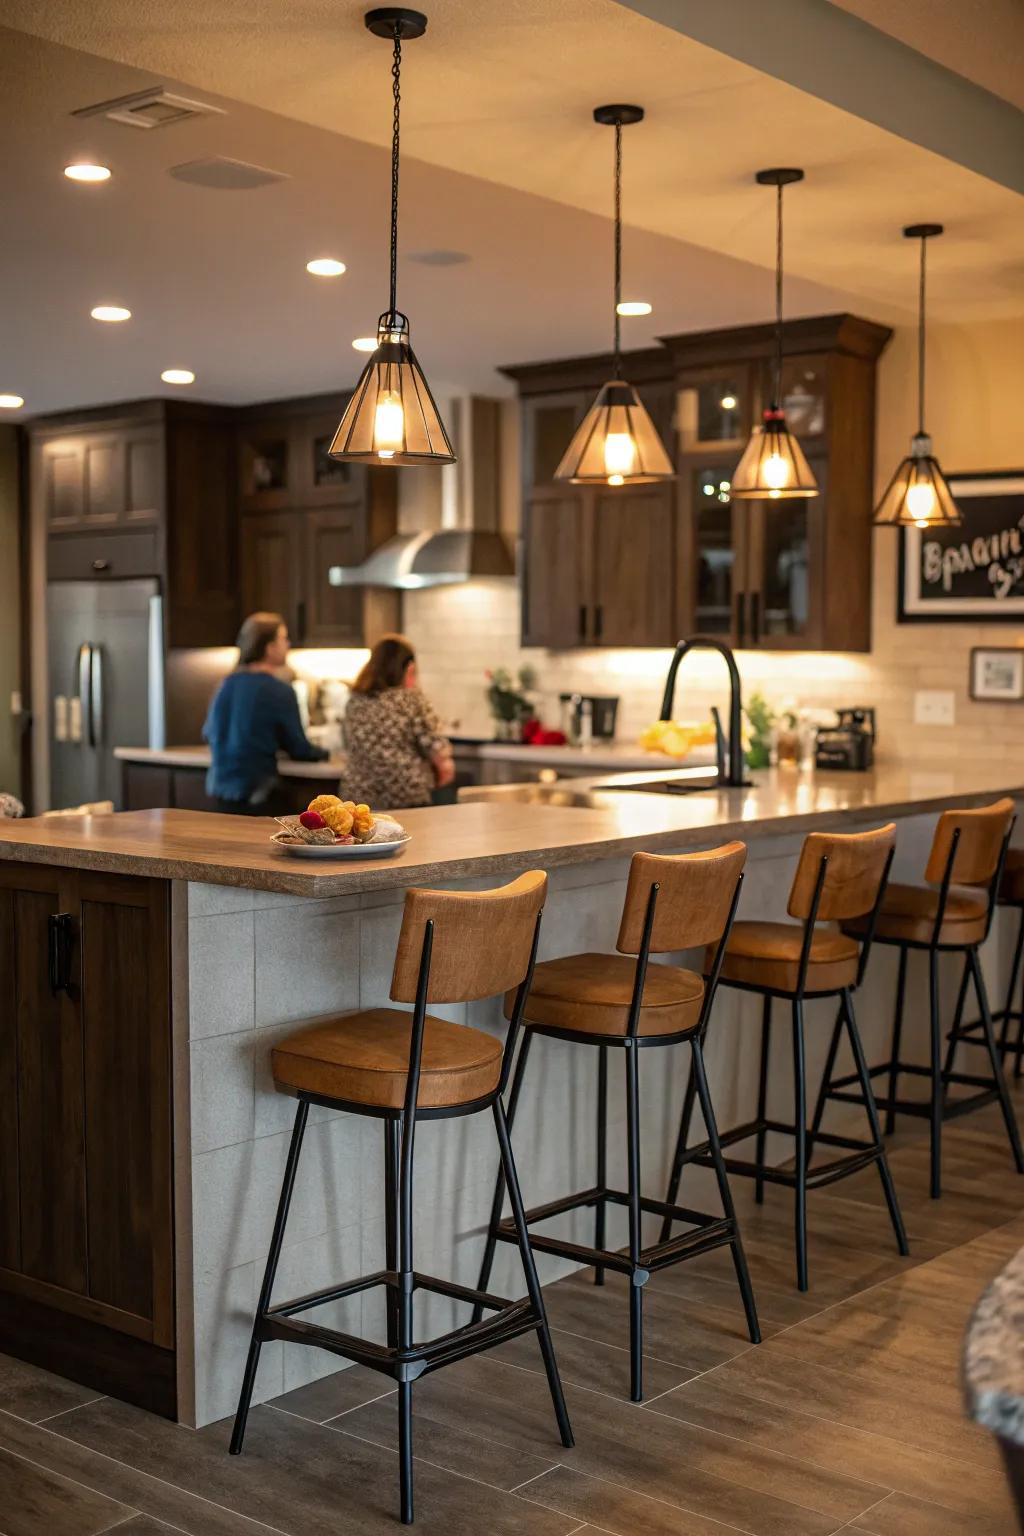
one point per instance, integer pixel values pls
(598, 621)
(755, 618)
(59, 951)
(300, 618)
(101, 565)
(740, 618)
(583, 621)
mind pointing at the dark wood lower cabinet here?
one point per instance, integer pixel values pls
(86, 1211)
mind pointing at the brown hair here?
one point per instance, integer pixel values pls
(258, 631)
(387, 665)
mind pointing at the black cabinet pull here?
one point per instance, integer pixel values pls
(59, 951)
(583, 621)
(300, 621)
(598, 621)
(101, 565)
(755, 618)
(740, 619)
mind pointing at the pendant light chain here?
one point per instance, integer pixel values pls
(396, 77)
(777, 393)
(920, 343)
(618, 247)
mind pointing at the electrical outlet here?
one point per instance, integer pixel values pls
(934, 706)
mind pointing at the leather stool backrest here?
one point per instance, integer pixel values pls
(482, 940)
(982, 833)
(857, 862)
(695, 894)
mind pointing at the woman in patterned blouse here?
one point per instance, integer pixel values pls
(396, 752)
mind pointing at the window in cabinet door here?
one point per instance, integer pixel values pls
(803, 395)
(713, 410)
(715, 550)
(785, 574)
(550, 425)
(268, 465)
(328, 471)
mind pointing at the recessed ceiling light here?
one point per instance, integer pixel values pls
(365, 343)
(325, 266)
(633, 307)
(11, 402)
(85, 170)
(178, 376)
(110, 312)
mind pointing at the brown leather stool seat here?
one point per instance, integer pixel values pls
(590, 994)
(1011, 887)
(363, 1058)
(768, 955)
(909, 912)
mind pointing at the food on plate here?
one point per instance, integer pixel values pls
(339, 818)
(676, 738)
(312, 820)
(322, 803)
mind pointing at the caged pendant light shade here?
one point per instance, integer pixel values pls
(391, 418)
(616, 443)
(773, 466)
(918, 495)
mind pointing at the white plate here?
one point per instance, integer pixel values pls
(340, 850)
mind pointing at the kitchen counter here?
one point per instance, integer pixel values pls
(199, 758)
(496, 834)
(257, 941)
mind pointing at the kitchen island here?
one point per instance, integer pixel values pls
(157, 957)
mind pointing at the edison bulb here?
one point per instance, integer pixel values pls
(619, 456)
(921, 502)
(776, 472)
(388, 425)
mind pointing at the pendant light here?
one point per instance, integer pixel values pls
(616, 443)
(773, 466)
(918, 495)
(392, 418)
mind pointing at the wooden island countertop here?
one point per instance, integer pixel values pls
(571, 823)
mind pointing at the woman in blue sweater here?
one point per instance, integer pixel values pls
(253, 717)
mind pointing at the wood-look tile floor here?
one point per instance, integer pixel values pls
(846, 1418)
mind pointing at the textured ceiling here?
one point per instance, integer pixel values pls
(502, 162)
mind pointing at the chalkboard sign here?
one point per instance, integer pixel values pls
(973, 574)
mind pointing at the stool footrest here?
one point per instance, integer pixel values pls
(511, 1319)
(862, 1155)
(709, 1232)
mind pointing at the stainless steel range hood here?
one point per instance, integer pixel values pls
(467, 544)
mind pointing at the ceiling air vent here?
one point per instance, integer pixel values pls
(224, 174)
(153, 108)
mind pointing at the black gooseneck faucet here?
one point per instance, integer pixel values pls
(734, 777)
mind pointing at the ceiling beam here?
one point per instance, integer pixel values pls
(828, 53)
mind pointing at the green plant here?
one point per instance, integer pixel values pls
(507, 696)
(760, 717)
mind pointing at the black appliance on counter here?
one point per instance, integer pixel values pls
(850, 743)
(603, 712)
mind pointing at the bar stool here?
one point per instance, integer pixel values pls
(837, 876)
(403, 1068)
(618, 1002)
(968, 849)
(1011, 894)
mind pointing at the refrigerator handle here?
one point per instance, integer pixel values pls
(95, 695)
(83, 669)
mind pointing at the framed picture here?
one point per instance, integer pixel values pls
(997, 674)
(973, 574)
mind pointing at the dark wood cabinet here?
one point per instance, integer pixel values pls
(640, 566)
(146, 489)
(86, 1226)
(304, 515)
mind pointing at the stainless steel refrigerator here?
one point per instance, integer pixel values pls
(106, 660)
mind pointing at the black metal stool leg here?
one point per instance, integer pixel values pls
(682, 1140)
(897, 1041)
(762, 1093)
(800, 1124)
(406, 1284)
(392, 1146)
(826, 1081)
(532, 1282)
(1009, 1117)
(888, 1188)
(636, 1291)
(1008, 1009)
(266, 1290)
(499, 1183)
(739, 1258)
(958, 1014)
(936, 1074)
(602, 1155)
